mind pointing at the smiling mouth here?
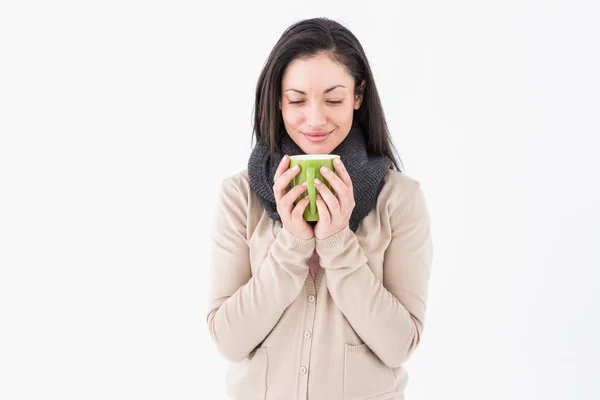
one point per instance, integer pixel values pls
(316, 136)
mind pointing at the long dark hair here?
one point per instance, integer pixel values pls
(307, 38)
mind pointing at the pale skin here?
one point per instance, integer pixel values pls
(317, 95)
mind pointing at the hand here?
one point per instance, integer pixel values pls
(291, 216)
(334, 210)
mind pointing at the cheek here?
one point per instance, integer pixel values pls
(292, 115)
(295, 116)
(342, 115)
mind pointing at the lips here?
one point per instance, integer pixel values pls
(317, 136)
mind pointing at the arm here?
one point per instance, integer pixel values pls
(388, 317)
(244, 308)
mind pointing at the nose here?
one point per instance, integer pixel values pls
(315, 117)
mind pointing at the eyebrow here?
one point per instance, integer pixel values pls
(326, 90)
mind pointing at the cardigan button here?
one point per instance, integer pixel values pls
(307, 335)
(311, 298)
(303, 370)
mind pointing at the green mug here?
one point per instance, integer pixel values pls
(310, 168)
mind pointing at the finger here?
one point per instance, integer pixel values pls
(292, 195)
(342, 172)
(281, 184)
(332, 202)
(336, 182)
(324, 214)
(283, 166)
(285, 204)
(344, 194)
(299, 209)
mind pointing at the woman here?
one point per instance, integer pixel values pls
(330, 310)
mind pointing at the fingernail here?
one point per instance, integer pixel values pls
(296, 168)
(284, 158)
(324, 170)
(305, 184)
(317, 181)
(337, 161)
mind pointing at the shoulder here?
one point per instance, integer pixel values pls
(237, 199)
(399, 190)
(236, 189)
(238, 181)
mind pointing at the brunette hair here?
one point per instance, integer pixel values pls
(305, 39)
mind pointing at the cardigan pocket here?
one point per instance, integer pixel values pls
(365, 376)
(247, 380)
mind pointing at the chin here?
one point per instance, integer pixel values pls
(311, 148)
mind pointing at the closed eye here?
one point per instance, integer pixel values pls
(328, 101)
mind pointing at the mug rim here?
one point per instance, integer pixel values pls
(314, 157)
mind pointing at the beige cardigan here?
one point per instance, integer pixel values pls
(344, 335)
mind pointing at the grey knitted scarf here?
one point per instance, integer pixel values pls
(367, 172)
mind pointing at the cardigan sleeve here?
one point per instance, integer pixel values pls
(388, 316)
(242, 308)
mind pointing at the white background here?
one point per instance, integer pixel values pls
(119, 119)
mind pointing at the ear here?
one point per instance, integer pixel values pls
(358, 98)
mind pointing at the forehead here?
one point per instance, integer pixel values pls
(317, 72)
